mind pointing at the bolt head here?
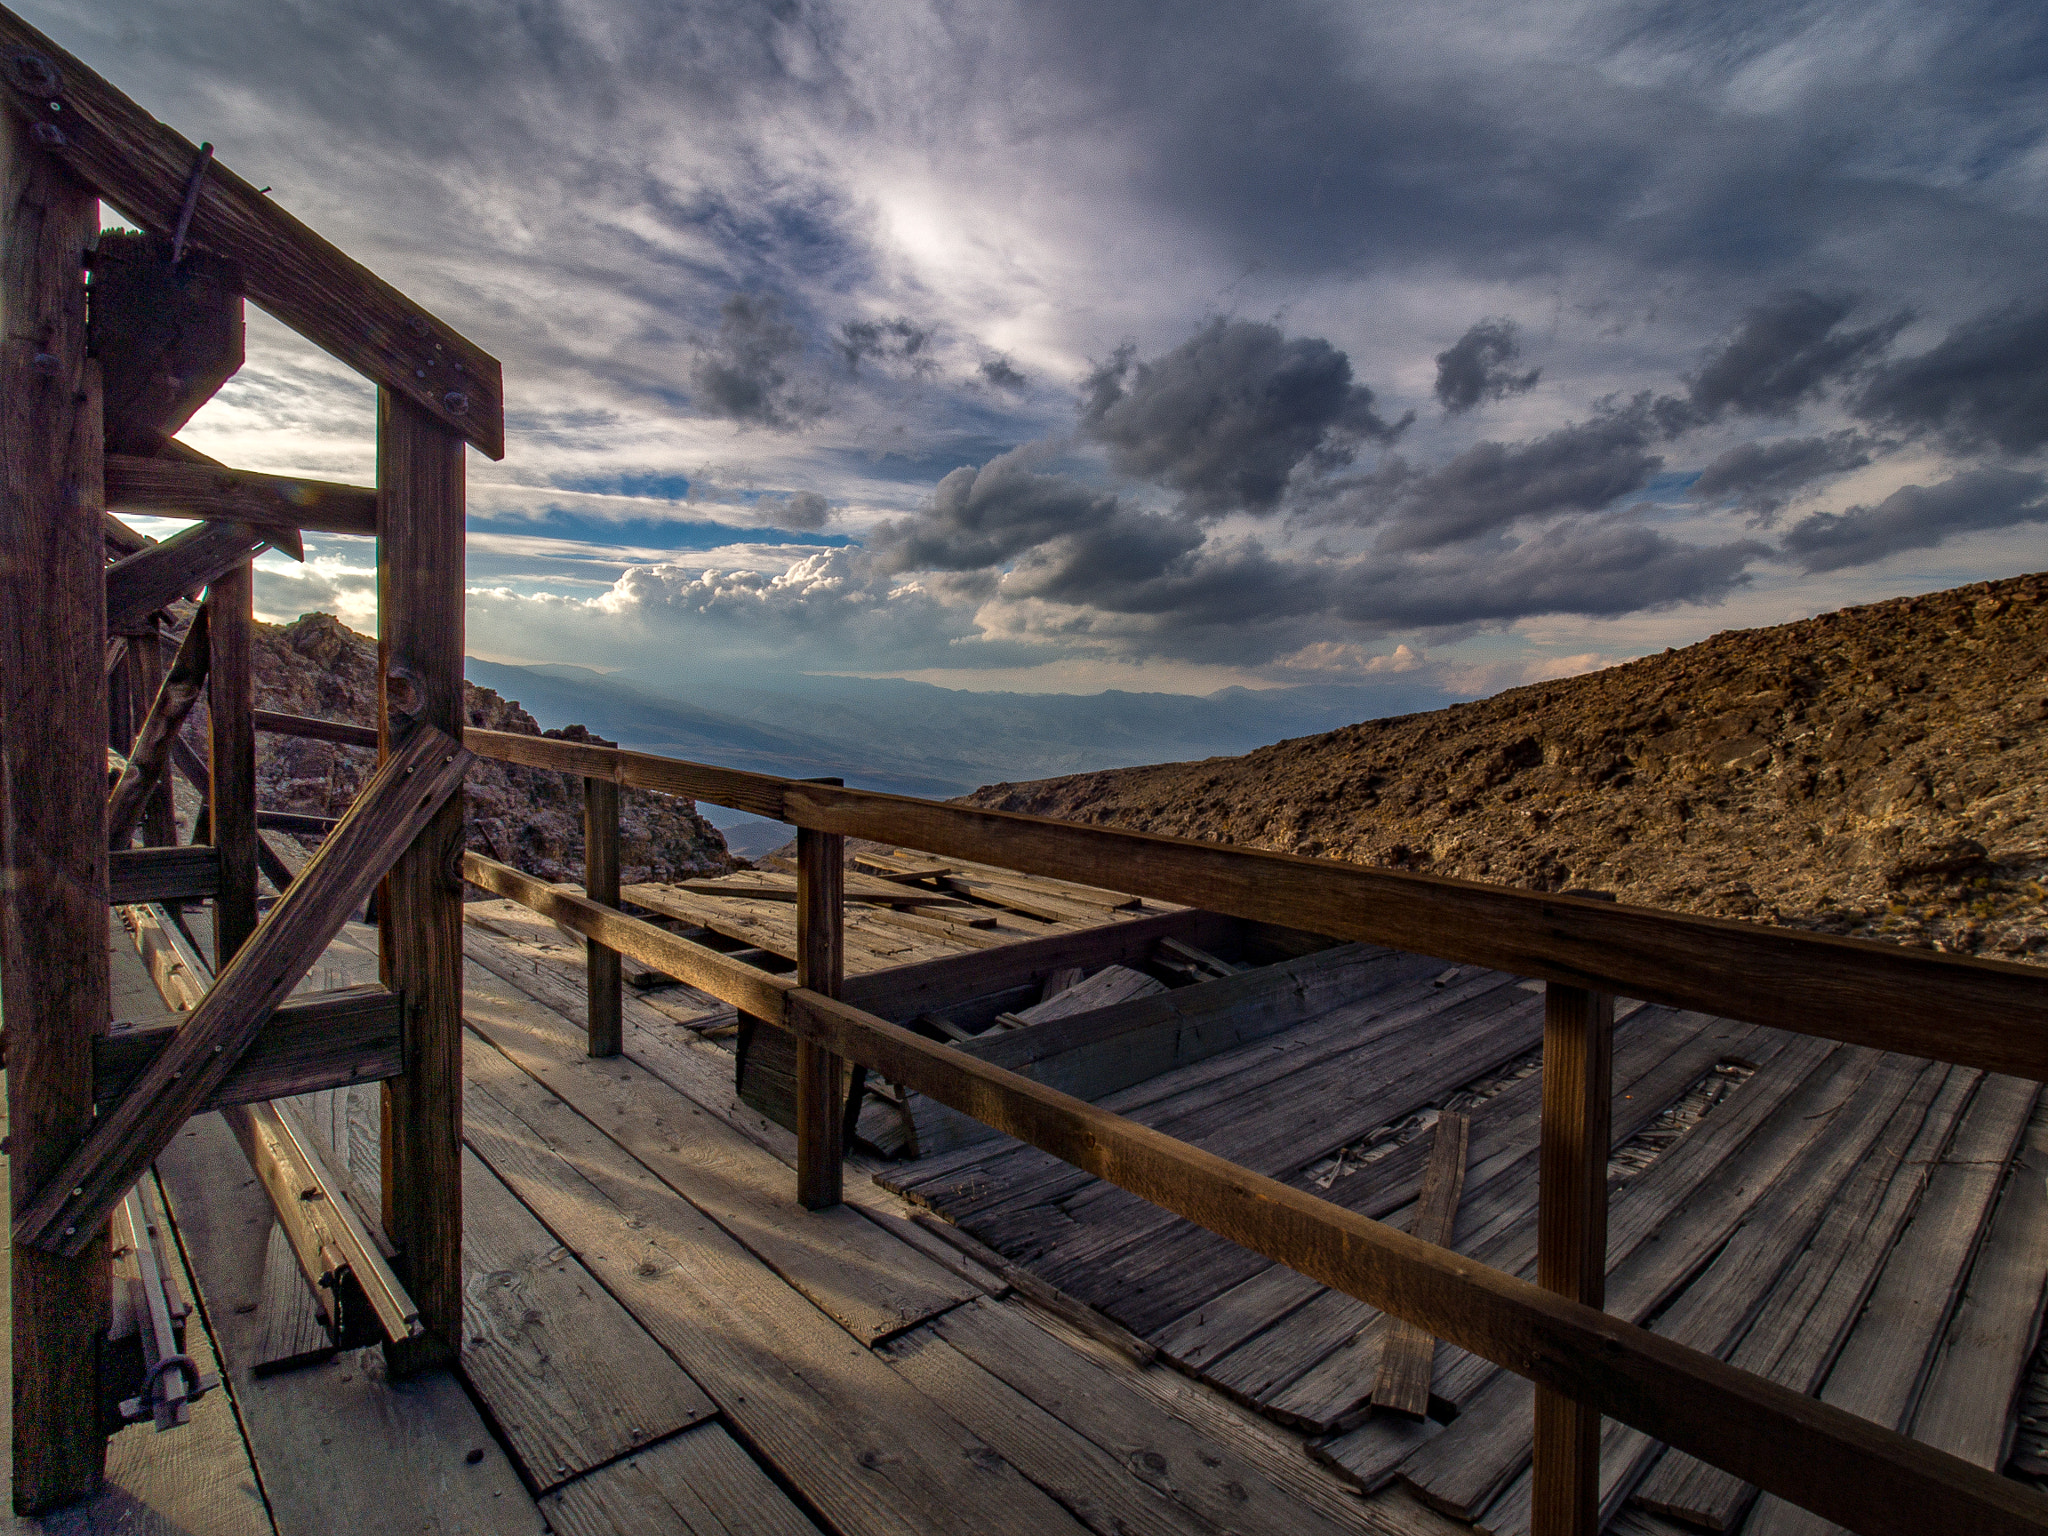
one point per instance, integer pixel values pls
(455, 401)
(48, 135)
(48, 364)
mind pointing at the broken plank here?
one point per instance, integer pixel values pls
(697, 1483)
(571, 1379)
(1111, 985)
(1406, 1352)
(865, 1449)
(853, 1272)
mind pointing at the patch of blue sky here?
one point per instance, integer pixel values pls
(641, 534)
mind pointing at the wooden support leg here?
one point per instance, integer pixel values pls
(1571, 1252)
(53, 795)
(601, 883)
(420, 507)
(820, 965)
(230, 707)
(159, 812)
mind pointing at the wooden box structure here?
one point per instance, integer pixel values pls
(70, 620)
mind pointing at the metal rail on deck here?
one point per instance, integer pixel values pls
(1584, 1362)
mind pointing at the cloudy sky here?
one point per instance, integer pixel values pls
(1061, 346)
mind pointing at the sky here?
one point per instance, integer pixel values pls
(1061, 346)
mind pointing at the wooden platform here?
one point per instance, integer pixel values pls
(660, 1339)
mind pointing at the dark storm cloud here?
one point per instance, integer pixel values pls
(1475, 368)
(806, 510)
(899, 340)
(1763, 477)
(1579, 468)
(1918, 517)
(1226, 416)
(984, 518)
(749, 373)
(1786, 351)
(999, 372)
(1985, 385)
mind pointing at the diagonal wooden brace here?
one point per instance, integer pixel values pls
(142, 583)
(387, 816)
(182, 688)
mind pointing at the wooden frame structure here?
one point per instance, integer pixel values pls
(1585, 1363)
(120, 363)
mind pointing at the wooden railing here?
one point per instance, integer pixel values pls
(1584, 1362)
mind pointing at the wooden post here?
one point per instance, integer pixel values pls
(1571, 1238)
(53, 795)
(820, 965)
(231, 724)
(159, 814)
(420, 509)
(601, 883)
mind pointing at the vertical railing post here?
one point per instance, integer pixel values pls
(820, 965)
(53, 794)
(160, 813)
(1571, 1241)
(420, 510)
(602, 970)
(231, 722)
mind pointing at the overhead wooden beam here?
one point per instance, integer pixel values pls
(53, 759)
(317, 730)
(327, 1040)
(144, 168)
(181, 689)
(140, 584)
(403, 796)
(420, 510)
(175, 488)
(189, 873)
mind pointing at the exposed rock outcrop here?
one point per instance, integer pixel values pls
(1881, 771)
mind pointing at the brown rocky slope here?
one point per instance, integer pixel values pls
(522, 816)
(1881, 771)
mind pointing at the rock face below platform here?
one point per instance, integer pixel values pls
(522, 816)
(1881, 771)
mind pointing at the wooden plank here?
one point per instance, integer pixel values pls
(160, 807)
(821, 966)
(420, 509)
(1800, 1328)
(144, 168)
(400, 799)
(231, 804)
(53, 733)
(168, 707)
(168, 330)
(312, 1043)
(862, 1278)
(317, 730)
(140, 584)
(866, 1450)
(137, 876)
(294, 1329)
(699, 1483)
(601, 884)
(572, 1381)
(1571, 1249)
(732, 981)
(1111, 985)
(1407, 1354)
(1962, 1409)
(1836, 1464)
(174, 488)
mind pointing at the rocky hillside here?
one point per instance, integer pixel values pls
(1881, 771)
(522, 816)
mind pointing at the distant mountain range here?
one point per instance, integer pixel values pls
(918, 739)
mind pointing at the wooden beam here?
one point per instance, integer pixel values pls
(820, 966)
(338, 731)
(1407, 1354)
(190, 873)
(174, 488)
(327, 1040)
(53, 792)
(728, 980)
(602, 973)
(1843, 1468)
(143, 167)
(168, 333)
(159, 806)
(231, 799)
(1571, 1244)
(420, 509)
(292, 821)
(140, 584)
(168, 707)
(399, 800)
